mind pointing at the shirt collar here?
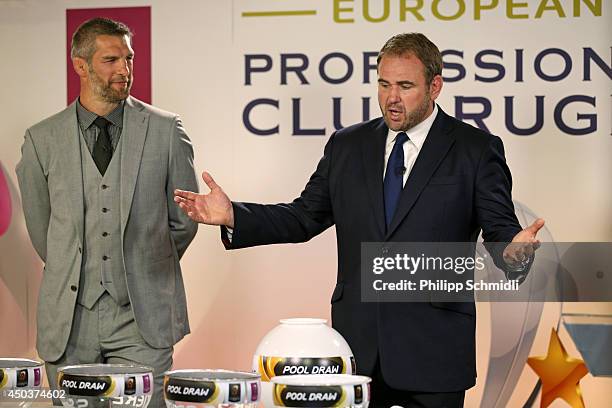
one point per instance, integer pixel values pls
(86, 118)
(418, 133)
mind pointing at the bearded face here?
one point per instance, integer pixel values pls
(404, 96)
(113, 90)
(110, 72)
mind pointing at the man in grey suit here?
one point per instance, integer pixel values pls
(97, 183)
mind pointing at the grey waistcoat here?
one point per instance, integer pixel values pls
(102, 268)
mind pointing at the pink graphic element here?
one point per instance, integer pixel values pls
(5, 204)
(139, 21)
(254, 392)
(146, 384)
(36, 377)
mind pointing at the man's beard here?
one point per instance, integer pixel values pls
(414, 117)
(106, 92)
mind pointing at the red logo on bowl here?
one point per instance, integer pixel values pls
(146, 384)
(36, 377)
(254, 392)
(22, 378)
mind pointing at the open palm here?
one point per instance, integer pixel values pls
(523, 245)
(214, 208)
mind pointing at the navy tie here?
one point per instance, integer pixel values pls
(394, 176)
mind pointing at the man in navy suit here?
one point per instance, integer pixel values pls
(414, 175)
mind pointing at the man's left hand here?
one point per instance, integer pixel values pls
(523, 246)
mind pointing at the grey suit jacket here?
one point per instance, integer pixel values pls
(156, 158)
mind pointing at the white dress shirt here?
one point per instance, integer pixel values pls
(412, 147)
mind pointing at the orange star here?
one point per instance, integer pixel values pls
(560, 374)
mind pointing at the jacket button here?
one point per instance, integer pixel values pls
(385, 250)
(104, 186)
(105, 210)
(105, 234)
(105, 257)
(73, 288)
(80, 250)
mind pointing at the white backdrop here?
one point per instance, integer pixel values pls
(199, 62)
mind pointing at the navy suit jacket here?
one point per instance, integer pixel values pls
(459, 185)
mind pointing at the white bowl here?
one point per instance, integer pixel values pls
(17, 377)
(20, 373)
(321, 391)
(301, 346)
(108, 385)
(211, 388)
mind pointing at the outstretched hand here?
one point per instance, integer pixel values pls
(523, 246)
(214, 208)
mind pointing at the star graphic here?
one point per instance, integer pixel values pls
(560, 374)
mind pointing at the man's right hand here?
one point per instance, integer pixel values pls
(214, 208)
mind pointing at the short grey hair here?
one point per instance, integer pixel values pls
(84, 38)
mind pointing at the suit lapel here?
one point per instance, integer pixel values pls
(70, 153)
(135, 124)
(439, 140)
(373, 157)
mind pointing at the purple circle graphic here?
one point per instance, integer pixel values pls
(5, 204)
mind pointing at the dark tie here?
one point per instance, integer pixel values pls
(103, 150)
(394, 176)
